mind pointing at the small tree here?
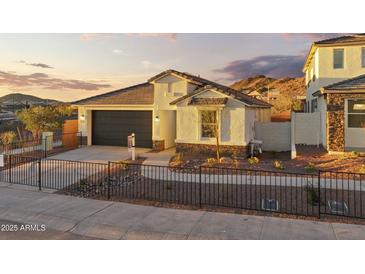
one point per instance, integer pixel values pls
(43, 118)
(297, 105)
(7, 138)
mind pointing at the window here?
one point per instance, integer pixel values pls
(363, 57)
(356, 113)
(208, 123)
(338, 58)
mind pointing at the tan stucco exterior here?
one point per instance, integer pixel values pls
(320, 72)
(321, 67)
(174, 123)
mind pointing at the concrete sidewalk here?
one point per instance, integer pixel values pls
(78, 218)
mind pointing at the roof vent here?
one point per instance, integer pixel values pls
(270, 204)
(338, 207)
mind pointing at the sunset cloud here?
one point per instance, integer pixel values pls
(269, 65)
(39, 65)
(44, 81)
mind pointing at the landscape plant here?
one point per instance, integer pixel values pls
(278, 164)
(310, 167)
(40, 119)
(253, 160)
(7, 138)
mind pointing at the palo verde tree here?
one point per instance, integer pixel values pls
(39, 119)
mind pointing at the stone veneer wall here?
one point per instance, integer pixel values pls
(336, 120)
(211, 149)
(158, 145)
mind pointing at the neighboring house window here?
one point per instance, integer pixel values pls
(208, 123)
(363, 57)
(356, 114)
(338, 58)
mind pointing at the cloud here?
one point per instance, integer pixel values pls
(172, 37)
(43, 80)
(95, 36)
(269, 65)
(119, 52)
(39, 65)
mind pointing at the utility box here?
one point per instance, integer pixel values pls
(47, 141)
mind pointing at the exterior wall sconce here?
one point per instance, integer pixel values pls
(82, 117)
(157, 119)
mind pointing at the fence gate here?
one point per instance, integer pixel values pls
(21, 170)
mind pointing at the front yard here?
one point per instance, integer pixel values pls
(309, 159)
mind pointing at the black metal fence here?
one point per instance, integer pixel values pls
(308, 194)
(43, 147)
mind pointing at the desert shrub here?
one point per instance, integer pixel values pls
(253, 160)
(310, 167)
(313, 195)
(362, 169)
(297, 105)
(179, 157)
(211, 161)
(278, 164)
(354, 154)
(7, 137)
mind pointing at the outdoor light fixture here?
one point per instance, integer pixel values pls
(157, 119)
(82, 116)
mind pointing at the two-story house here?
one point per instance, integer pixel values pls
(173, 109)
(335, 81)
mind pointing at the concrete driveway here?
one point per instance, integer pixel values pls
(98, 154)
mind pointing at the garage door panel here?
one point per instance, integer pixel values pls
(113, 127)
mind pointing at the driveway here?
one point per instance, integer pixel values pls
(98, 154)
(75, 218)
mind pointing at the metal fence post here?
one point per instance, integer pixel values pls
(80, 138)
(40, 174)
(200, 186)
(108, 180)
(319, 194)
(45, 147)
(10, 167)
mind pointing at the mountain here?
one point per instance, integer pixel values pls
(288, 88)
(19, 98)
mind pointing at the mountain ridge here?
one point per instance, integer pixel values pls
(289, 88)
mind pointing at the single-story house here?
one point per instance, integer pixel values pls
(173, 109)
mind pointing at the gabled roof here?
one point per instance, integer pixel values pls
(347, 40)
(141, 94)
(352, 85)
(204, 84)
(342, 39)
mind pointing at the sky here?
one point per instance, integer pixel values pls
(69, 67)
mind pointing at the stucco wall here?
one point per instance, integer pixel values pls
(168, 127)
(275, 136)
(232, 124)
(326, 74)
(307, 128)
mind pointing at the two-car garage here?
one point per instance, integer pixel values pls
(112, 127)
